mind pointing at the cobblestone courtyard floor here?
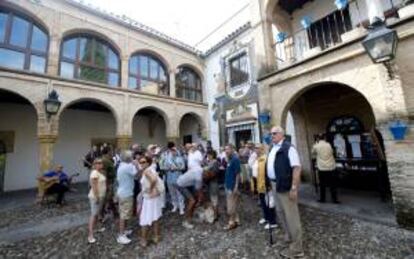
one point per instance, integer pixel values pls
(326, 235)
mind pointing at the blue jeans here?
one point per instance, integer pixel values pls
(269, 214)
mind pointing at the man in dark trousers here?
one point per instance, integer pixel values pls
(325, 162)
(283, 170)
(59, 183)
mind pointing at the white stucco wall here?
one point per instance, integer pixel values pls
(76, 130)
(22, 163)
(212, 69)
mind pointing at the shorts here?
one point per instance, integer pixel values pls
(125, 207)
(96, 207)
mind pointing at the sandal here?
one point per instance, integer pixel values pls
(230, 226)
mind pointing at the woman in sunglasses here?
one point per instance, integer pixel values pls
(96, 195)
(151, 210)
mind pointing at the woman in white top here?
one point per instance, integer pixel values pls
(151, 210)
(97, 181)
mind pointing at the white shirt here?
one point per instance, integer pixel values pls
(125, 177)
(252, 159)
(293, 158)
(194, 160)
(101, 185)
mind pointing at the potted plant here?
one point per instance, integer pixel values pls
(406, 9)
(398, 129)
(264, 117)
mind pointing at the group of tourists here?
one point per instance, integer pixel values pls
(144, 182)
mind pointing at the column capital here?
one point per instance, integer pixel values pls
(123, 141)
(47, 138)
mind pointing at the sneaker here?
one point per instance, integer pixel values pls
(188, 225)
(262, 221)
(128, 232)
(174, 209)
(91, 240)
(270, 226)
(123, 240)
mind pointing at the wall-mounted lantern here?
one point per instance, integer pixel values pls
(52, 104)
(381, 44)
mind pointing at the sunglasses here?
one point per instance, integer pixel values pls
(275, 133)
(142, 162)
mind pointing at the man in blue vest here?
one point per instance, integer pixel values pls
(283, 170)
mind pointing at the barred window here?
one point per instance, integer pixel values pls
(239, 70)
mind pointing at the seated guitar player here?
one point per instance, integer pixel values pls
(56, 182)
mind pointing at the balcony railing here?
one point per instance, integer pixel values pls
(335, 28)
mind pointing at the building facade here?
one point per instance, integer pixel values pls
(232, 89)
(314, 66)
(118, 81)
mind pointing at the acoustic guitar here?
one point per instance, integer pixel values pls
(45, 183)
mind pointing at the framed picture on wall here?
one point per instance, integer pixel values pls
(7, 138)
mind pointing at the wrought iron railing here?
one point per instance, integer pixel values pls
(324, 33)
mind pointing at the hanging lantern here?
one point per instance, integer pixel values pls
(341, 4)
(306, 22)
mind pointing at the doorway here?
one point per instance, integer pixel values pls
(242, 136)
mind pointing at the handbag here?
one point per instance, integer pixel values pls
(160, 185)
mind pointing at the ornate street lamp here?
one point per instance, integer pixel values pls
(52, 104)
(381, 44)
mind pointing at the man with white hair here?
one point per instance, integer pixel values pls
(283, 169)
(125, 193)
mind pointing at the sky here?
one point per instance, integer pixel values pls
(186, 20)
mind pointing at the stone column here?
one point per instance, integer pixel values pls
(172, 83)
(400, 161)
(124, 72)
(123, 141)
(53, 60)
(46, 145)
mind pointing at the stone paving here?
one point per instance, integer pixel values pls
(326, 235)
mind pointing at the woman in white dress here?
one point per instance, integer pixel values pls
(151, 210)
(96, 195)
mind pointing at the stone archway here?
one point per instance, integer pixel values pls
(150, 126)
(328, 108)
(191, 128)
(18, 131)
(83, 123)
(315, 106)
